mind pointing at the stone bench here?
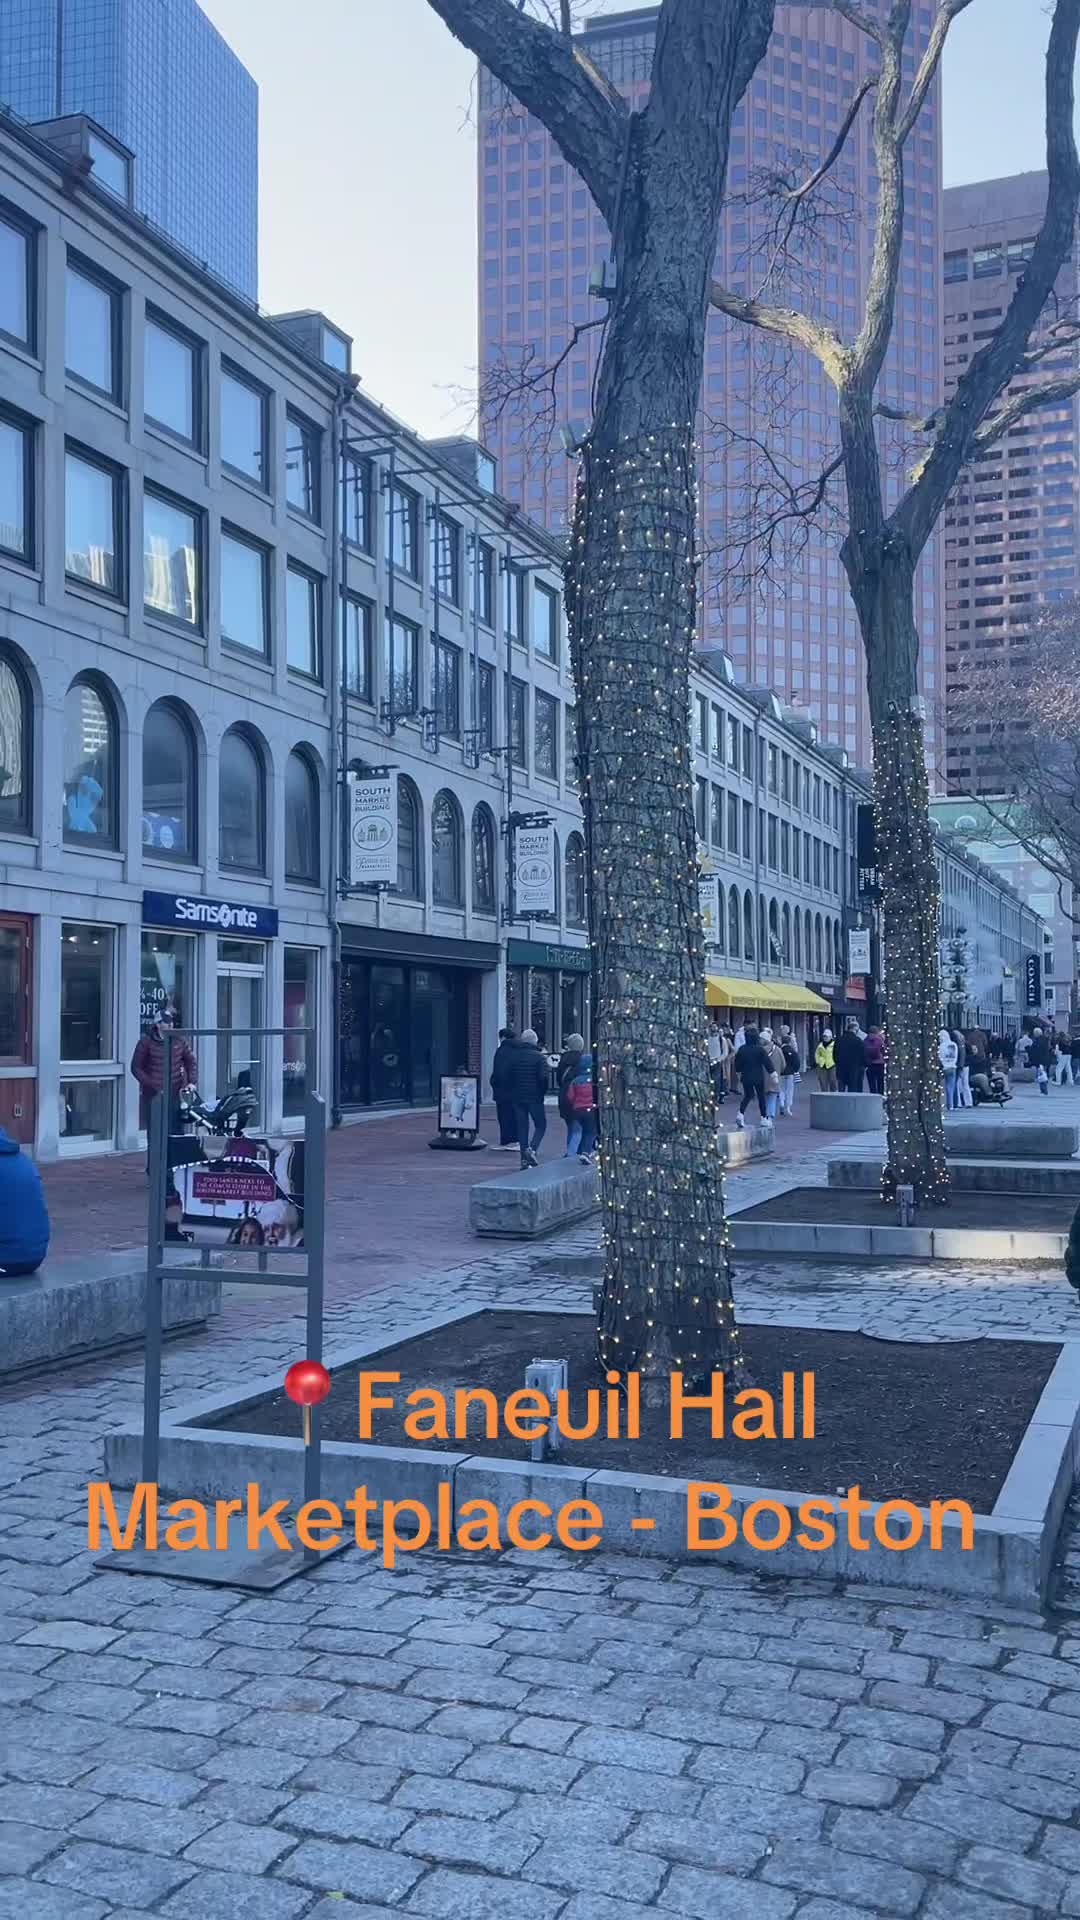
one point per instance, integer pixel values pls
(738, 1145)
(1022, 1076)
(847, 1112)
(73, 1308)
(1006, 1139)
(539, 1200)
(973, 1176)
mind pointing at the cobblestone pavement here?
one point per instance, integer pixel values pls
(553, 1736)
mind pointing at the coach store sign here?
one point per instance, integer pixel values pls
(194, 914)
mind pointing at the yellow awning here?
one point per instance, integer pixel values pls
(721, 990)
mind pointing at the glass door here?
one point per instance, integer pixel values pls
(389, 1035)
(17, 1093)
(240, 1009)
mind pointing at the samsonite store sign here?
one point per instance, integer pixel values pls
(193, 914)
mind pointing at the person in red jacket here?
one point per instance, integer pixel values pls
(148, 1067)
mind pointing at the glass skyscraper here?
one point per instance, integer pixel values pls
(160, 78)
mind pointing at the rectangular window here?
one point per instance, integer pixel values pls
(446, 668)
(514, 602)
(244, 598)
(774, 856)
(16, 487)
(481, 580)
(517, 722)
(401, 661)
(747, 754)
(806, 790)
(761, 836)
(545, 619)
(303, 624)
(817, 796)
(300, 1010)
(733, 742)
(486, 714)
(987, 261)
(357, 618)
(570, 744)
(817, 863)
(93, 329)
(733, 823)
(94, 517)
(701, 724)
(718, 735)
(956, 265)
(172, 377)
(716, 817)
(785, 776)
(244, 428)
(86, 993)
(796, 842)
(747, 830)
(446, 559)
(172, 559)
(358, 504)
(546, 735)
(402, 522)
(18, 254)
(303, 463)
(772, 768)
(785, 847)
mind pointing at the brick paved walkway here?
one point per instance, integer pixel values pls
(466, 1739)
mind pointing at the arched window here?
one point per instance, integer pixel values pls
(734, 943)
(483, 860)
(785, 935)
(575, 881)
(14, 746)
(301, 819)
(764, 950)
(748, 926)
(168, 785)
(410, 871)
(819, 956)
(809, 928)
(241, 804)
(90, 765)
(446, 863)
(797, 924)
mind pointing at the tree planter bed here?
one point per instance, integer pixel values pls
(991, 1422)
(852, 1222)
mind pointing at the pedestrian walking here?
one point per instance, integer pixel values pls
(527, 1078)
(504, 1105)
(1064, 1060)
(774, 1073)
(947, 1061)
(792, 1074)
(568, 1064)
(963, 1080)
(24, 1217)
(850, 1057)
(148, 1068)
(752, 1066)
(825, 1061)
(581, 1101)
(1038, 1056)
(717, 1050)
(875, 1051)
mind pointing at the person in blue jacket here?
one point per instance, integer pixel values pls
(24, 1218)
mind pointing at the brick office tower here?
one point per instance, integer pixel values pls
(1011, 525)
(160, 78)
(539, 239)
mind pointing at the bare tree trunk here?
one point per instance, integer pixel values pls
(882, 585)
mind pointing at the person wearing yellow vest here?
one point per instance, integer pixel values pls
(825, 1061)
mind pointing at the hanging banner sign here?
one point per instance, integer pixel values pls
(859, 950)
(709, 906)
(373, 831)
(866, 860)
(534, 869)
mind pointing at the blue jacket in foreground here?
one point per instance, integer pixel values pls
(24, 1218)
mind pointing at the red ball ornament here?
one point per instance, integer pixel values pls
(307, 1383)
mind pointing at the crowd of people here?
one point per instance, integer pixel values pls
(521, 1074)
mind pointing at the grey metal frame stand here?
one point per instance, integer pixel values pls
(311, 1279)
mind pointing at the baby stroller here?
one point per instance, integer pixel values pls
(989, 1089)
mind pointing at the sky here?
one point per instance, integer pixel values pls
(368, 171)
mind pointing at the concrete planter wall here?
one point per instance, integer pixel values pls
(847, 1112)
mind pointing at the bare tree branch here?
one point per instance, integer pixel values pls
(553, 77)
(820, 340)
(929, 64)
(1026, 400)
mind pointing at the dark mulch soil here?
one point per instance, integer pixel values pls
(902, 1422)
(852, 1207)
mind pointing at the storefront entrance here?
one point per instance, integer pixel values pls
(547, 989)
(402, 1026)
(241, 999)
(18, 1086)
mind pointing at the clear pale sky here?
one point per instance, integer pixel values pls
(368, 170)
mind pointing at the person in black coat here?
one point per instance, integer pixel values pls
(752, 1063)
(850, 1060)
(504, 1105)
(527, 1078)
